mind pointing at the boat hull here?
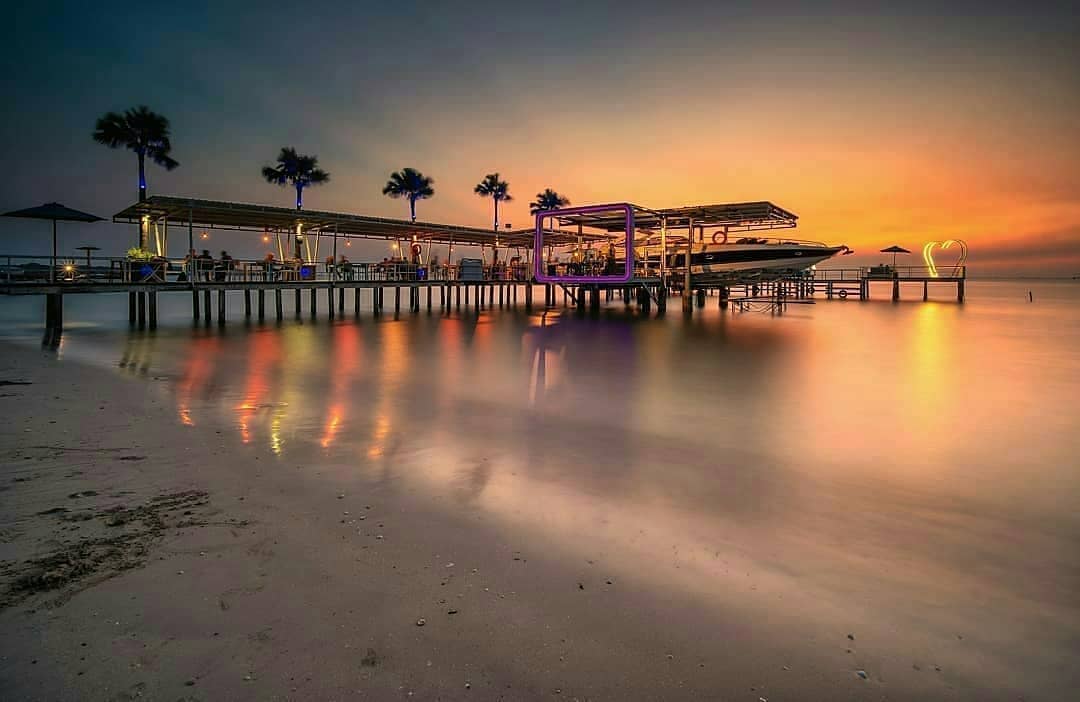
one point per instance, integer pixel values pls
(742, 260)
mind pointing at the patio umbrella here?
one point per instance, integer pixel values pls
(88, 249)
(57, 213)
(895, 250)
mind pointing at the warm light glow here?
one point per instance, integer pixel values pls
(265, 238)
(204, 235)
(928, 255)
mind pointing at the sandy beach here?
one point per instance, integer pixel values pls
(146, 559)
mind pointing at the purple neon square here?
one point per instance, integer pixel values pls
(538, 245)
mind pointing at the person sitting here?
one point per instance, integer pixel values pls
(346, 267)
(221, 271)
(205, 264)
(269, 266)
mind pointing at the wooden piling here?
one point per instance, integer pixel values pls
(221, 308)
(297, 305)
(314, 302)
(131, 309)
(195, 305)
(277, 303)
(152, 304)
(330, 303)
(247, 304)
(206, 306)
(262, 305)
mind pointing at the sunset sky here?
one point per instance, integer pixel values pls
(876, 125)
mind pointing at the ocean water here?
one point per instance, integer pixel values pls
(913, 462)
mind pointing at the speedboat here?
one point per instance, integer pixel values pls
(749, 257)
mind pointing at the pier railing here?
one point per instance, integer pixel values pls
(886, 272)
(47, 270)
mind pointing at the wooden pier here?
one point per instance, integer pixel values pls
(339, 286)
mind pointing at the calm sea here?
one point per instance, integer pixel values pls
(915, 460)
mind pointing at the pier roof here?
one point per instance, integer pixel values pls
(739, 216)
(215, 214)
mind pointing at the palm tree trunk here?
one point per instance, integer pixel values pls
(299, 197)
(412, 208)
(142, 176)
(496, 227)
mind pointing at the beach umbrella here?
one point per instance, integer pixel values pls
(57, 213)
(895, 250)
(88, 249)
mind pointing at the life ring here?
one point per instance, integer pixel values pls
(718, 233)
(416, 248)
(842, 293)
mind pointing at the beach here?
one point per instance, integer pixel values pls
(552, 529)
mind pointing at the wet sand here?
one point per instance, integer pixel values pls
(142, 558)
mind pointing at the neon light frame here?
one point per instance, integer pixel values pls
(538, 245)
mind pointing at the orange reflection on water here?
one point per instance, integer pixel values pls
(378, 436)
(198, 371)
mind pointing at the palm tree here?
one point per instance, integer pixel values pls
(496, 189)
(548, 200)
(410, 183)
(297, 170)
(141, 130)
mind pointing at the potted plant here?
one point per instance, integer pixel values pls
(138, 264)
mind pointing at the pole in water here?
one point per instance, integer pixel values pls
(1031, 298)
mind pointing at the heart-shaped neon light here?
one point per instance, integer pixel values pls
(928, 254)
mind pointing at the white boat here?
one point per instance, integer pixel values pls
(746, 257)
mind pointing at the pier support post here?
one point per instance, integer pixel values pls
(330, 302)
(195, 305)
(221, 308)
(277, 303)
(896, 290)
(594, 302)
(457, 295)
(341, 300)
(314, 302)
(152, 304)
(247, 304)
(131, 309)
(206, 306)
(960, 290)
(466, 296)
(397, 299)
(701, 297)
(925, 290)
(528, 297)
(297, 306)
(262, 305)
(356, 302)
(429, 297)
(501, 296)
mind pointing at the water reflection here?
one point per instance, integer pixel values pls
(818, 449)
